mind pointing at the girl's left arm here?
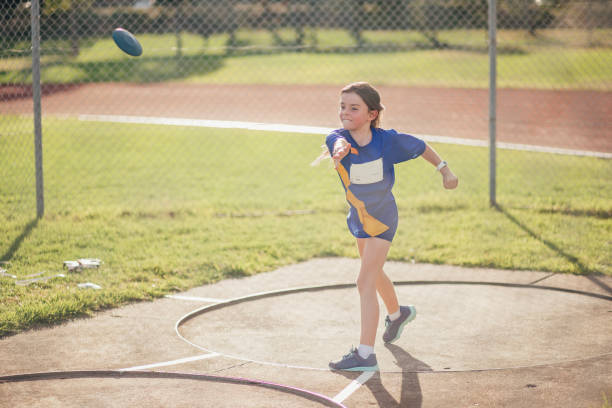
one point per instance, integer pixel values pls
(449, 180)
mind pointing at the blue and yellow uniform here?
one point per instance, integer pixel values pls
(368, 175)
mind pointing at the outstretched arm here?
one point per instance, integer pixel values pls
(449, 180)
(341, 149)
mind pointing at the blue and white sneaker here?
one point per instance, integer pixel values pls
(353, 362)
(394, 328)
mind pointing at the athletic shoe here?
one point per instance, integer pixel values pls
(353, 362)
(393, 328)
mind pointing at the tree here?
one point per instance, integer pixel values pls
(7, 7)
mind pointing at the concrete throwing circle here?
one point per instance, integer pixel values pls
(460, 326)
(163, 389)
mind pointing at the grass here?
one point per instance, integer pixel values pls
(167, 209)
(553, 59)
(605, 403)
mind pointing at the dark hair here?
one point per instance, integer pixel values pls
(370, 96)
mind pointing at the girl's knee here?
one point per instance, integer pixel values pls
(366, 283)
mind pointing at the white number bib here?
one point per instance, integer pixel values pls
(367, 173)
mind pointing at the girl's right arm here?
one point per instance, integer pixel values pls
(338, 147)
(341, 149)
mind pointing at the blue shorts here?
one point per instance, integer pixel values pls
(387, 215)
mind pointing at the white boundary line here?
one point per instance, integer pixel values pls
(353, 386)
(274, 127)
(195, 299)
(173, 362)
(224, 124)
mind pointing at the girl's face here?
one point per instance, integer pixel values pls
(354, 113)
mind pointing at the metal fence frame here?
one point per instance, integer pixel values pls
(492, 98)
(40, 190)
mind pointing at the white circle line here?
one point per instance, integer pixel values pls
(288, 291)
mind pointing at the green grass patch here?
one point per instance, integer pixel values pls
(553, 59)
(169, 208)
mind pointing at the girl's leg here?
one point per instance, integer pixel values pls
(373, 258)
(386, 290)
(384, 286)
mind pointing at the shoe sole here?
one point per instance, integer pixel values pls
(372, 368)
(401, 328)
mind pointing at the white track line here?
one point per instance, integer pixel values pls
(354, 386)
(225, 124)
(196, 299)
(173, 362)
(274, 127)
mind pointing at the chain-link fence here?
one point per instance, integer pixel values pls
(121, 133)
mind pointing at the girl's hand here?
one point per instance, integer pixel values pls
(449, 180)
(341, 149)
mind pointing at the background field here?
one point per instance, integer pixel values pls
(386, 57)
(210, 216)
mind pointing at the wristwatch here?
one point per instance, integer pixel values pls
(442, 164)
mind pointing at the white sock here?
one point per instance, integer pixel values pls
(396, 315)
(364, 351)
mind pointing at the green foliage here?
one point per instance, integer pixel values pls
(53, 6)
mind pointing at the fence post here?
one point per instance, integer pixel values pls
(35, 18)
(492, 98)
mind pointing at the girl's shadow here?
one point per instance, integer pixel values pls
(411, 395)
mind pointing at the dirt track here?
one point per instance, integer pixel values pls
(580, 120)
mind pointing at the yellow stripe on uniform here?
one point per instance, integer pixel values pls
(370, 224)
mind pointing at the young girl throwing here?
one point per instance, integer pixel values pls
(364, 156)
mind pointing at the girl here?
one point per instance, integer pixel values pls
(364, 156)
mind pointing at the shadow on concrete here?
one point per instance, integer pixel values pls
(411, 395)
(599, 283)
